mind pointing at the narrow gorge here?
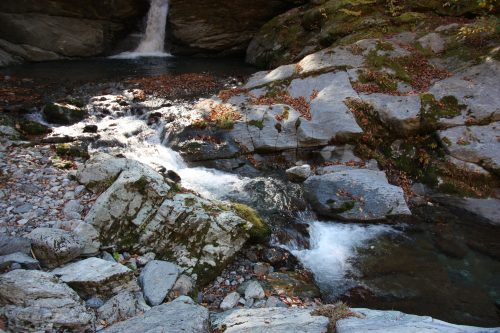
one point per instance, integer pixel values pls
(253, 166)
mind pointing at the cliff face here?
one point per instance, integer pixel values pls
(52, 29)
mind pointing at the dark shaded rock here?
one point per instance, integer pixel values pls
(10, 245)
(64, 114)
(90, 129)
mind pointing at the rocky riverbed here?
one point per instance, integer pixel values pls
(200, 203)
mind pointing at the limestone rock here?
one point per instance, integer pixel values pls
(139, 212)
(157, 279)
(276, 320)
(20, 258)
(180, 315)
(355, 194)
(99, 172)
(254, 290)
(265, 77)
(94, 276)
(376, 321)
(36, 300)
(230, 301)
(87, 233)
(475, 88)
(299, 173)
(54, 247)
(10, 244)
(182, 287)
(121, 307)
(398, 112)
(474, 144)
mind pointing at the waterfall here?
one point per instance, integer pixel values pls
(152, 44)
(154, 38)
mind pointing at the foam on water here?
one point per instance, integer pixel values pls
(332, 246)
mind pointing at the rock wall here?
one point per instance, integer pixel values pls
(53, 29)
(220, 27)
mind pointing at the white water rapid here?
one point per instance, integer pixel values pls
(332, 245)
(152, 43)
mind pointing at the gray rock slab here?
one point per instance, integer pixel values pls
(20, 258)
(355, 194)
(12, 244)
(477, 88)
(399, 112)
(474, 144)
(157, 279)
(376, 321)
(54, 247)
(94, 276)
(38, 301)
(276, 320)
(180, 315)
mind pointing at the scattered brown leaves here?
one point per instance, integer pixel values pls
(335, 312)
(19, 91)
(225, 95)
(298, 103)
(314, 94)
(175, 85)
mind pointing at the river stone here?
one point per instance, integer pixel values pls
(9, 132)
(474, 144)
(12, 244)
(54, 247)
(94, 276)
(329, 59)
(299, 173)
(399, 112)
(20, 258)
(180, 315)
(36, 300)
(377, 321)
(476, 88)
(254, 290)
(120, 307)
(64, 114)
(157, 279)
(183, 286)
(87, 233)
(355, 194)
(433, 41)
(276, 320)
(230, 301)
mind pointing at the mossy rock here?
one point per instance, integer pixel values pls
(71, 150)
(63, 114)
(410, 17)
(29, 127)
(260, 231)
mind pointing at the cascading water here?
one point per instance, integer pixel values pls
(152, 44)
(154, 38)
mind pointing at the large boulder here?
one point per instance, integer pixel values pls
(220, 27)
(35, 300)
(140, 212)
(54, 247)
(355, 194)
(276, 320)
(181, 315)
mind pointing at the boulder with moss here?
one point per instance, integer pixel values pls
(63, 114)
(139, 211)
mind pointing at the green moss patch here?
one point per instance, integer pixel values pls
(260, 231)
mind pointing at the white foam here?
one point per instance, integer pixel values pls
(137, 55)
(332, 247)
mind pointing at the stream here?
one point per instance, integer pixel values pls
(415, 266)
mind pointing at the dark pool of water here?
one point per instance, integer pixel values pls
(107, 69)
